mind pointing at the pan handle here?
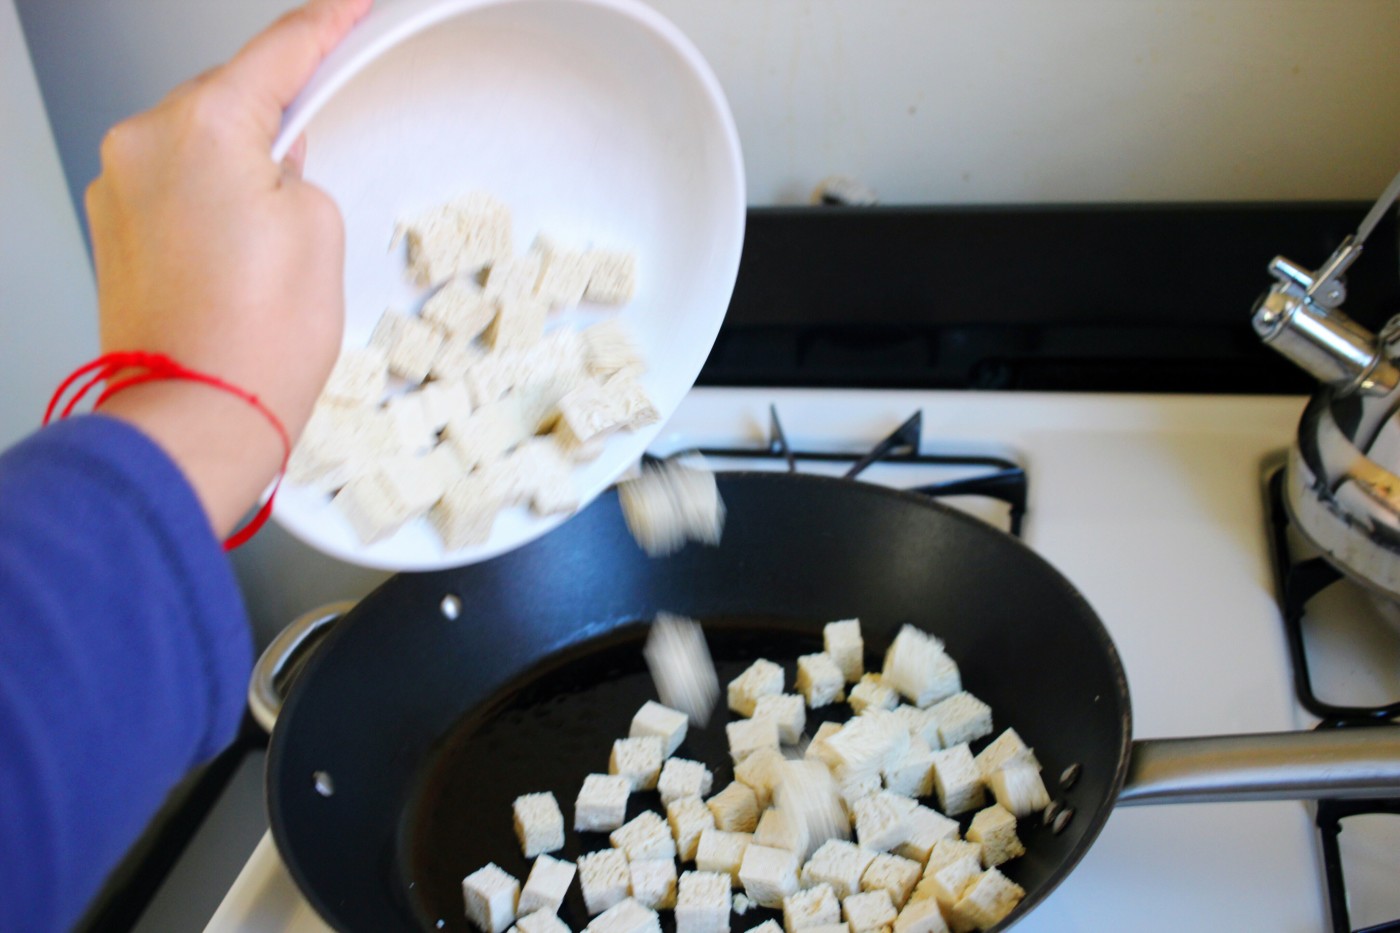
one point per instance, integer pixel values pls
(280, 663)
(1355, 763)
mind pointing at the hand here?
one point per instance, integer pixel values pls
(211, 253)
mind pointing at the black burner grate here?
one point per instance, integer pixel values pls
(1000, 478)
(1298, 580)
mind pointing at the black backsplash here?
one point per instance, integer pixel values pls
(1135, 298)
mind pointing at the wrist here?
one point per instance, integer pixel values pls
(228, 450)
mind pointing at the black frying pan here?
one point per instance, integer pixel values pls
(441, 697)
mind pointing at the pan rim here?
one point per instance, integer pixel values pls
(1097, 820)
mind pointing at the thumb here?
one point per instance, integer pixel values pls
(276, 64)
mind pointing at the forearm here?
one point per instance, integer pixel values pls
(126, 653)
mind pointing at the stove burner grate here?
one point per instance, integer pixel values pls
(1003, 479)
(1298, 580)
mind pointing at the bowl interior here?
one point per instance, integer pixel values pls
(596, 122)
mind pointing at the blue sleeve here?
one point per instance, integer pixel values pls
(124, 656)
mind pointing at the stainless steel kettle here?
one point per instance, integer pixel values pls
(1342, 490)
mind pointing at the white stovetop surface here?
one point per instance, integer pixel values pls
(1152, 507)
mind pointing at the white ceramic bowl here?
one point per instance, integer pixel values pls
(592, 119)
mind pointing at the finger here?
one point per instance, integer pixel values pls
(274, 66)
(295, 160)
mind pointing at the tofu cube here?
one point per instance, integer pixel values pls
(563, 275)
(489, 432)
(894, 875)
(857, 788)
(546, 886)
(760, 771)
(1019, 788)
(467, 511)
(957, 781)
(588, 412)
(913, 775)
(512, 277)
(962, 718)
(838, 863)
(767, 926)
(703, 903)
(358, 378)
(457, 239)
(667, 724)
(868, 744)
(1003, 750)
(768, 875)
(762, 678)
(948, 883)
(681, 666)
(609, 348)
(818, 749)
(668, 504)
(487, 376)
(747, 736)
(995, 829)
(654, 882)
(381, 501)
(644, 837)
(989, 899)
(461, 359)
(604, 878)
(882, 820)
(948, 851)
(612, 278)
(339, 444)
(539, 824)
(808, 796)
(638, 760)
(602, 803)
(460, 309)
(442, 400)
(917, 666)
(541, 921)
(921, 916)
(536, 472)
(491, 895)
(722, 852)
(689, 819)
(872, 693)
(819, 680)
(410, 344)
(868, 911)
(842, 640)
(704, 512)
(926, 828)
(921, 723)
(775, 830)
(626, 916)
(518, 325)
(816, 906)
(681, 777)
(788, 710)
(735, 808)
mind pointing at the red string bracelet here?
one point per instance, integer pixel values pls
(156, 367)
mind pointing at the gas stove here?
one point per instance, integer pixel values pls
(1156, 508)
(1044, 345)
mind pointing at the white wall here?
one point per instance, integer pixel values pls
(48, 306)
(926, 100)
